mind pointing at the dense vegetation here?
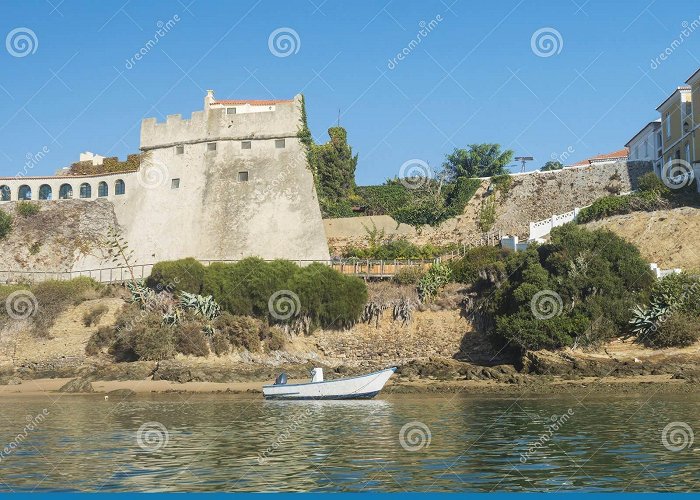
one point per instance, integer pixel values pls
(109, 165)
(578, 289)
(671, 315)
(316, 294)
(428, 200)
(652, 194)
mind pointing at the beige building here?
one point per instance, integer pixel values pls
(677, 126)
(694, 83)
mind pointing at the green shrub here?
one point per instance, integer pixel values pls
(190, 339)
(604, 207)
(241, 331)
(150, 340)
(576, 289)
(679, 330)
(522, 329)
(245, 288)
(5, 224)
(92, 317)
(649, 182)
(328, 298)
(487, 214)
(398, 249)
(184, 275)
(27, 208)
(408, 275)
(478, 263)
(432, 281)
(675, 296)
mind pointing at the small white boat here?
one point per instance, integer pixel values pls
(362, 387)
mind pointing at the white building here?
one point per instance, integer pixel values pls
(647, 145)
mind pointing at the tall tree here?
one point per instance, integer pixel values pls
(335, 165)
(479, 160)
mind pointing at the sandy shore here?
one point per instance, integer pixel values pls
(535, 385)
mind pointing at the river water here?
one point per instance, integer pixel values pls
(184, 442)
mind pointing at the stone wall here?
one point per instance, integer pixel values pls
(216, 186)
(533, 197)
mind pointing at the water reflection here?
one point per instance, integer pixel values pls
(234, 443)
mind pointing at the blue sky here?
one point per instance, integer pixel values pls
(475, 77)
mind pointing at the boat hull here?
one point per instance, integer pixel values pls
(363, 387)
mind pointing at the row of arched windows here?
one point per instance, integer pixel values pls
(65, 191)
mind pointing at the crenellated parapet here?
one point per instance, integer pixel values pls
(225, 120)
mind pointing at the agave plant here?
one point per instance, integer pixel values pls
(204, 306)
(140, 293)
(645, 320)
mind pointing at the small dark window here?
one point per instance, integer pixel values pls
(242, 176)
(65, 192)
(179, 150)
(24, 193)
(246, 145)
(279, 143)
(85, 190)
(230, 111)
(175, 184)
(211, 146)
(44, 192)
(5, 193)
(102, 189)
(119, 187)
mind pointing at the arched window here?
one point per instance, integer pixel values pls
(5, 193)
(25, 192)
(65, 192)
(85, 190)
(119, 187)
(102, 189)
(44, 192)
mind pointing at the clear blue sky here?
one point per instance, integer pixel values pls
(474, 78)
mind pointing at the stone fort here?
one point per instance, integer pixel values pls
(231, 181)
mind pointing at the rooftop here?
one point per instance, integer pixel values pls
(621, 154)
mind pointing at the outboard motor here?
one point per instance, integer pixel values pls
(281, 379)
(317, 375)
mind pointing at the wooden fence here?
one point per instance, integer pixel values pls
(375, 269)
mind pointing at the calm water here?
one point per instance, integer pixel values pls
(229, 442)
